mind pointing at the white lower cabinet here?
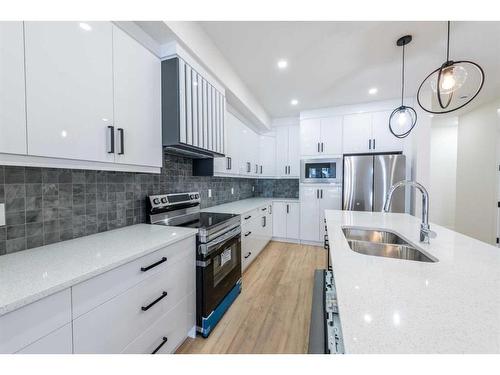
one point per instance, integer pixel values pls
(29, 324)
(134, 311)
(256, 232)
(314, 200)
(57, 342)
(144, 306)
(286, 220)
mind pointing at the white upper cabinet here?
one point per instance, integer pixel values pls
(267, 166)
(137, 102)
(288, 151)
(369, 133)
(69, 89)
(310, 137)
(229, 165)
(331, 136)
(357, 133)
(12, 94)
(321, 136)
(383, 139)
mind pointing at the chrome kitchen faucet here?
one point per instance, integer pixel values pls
(425, 231)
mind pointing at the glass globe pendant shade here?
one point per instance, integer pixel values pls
(451, 86)
(402, 121)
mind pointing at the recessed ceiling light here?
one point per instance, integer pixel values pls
(294, 102)
(282, 64)
(85, 26)
(373, 91)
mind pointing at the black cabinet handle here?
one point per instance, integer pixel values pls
(370, 144)
(317, 193)
(287, 209)
(144, 269)
(249, 253)
(321, 196)
(228, 163)
(285, 169)
(248, 217)
(146, 308)
(111, 139)
(263, 209)
(374, 143)
(121, 137)
(163, 341)
(322, 145)
(264, 221)
(318, 146)
(248, 234)
(261, 169)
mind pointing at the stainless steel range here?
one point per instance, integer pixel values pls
(218, 252)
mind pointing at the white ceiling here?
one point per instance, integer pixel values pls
(335, 63)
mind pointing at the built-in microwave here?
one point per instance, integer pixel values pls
(321, 170)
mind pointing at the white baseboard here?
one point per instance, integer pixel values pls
(192, 332)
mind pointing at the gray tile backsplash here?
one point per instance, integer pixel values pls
(46, 205)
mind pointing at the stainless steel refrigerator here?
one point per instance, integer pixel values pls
(368, 178)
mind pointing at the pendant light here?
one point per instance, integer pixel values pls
(403, 118)
(451, 86)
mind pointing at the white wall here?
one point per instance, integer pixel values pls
(443, 171)
(477, 180)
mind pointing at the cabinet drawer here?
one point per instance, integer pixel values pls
(174, 325)
(111, 326)
(28, 324)
(57, 342)
(96, 291)
(248, 217)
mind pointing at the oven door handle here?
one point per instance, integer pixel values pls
(214, 243)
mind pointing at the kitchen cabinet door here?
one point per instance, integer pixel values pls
(331, 200)
(294, 151)
(267, 156)
(309, 213)
(279, 219)
(69, 89)
(12, 89)
(57, 342)
(282, 151)
(384, 140)
(331, 136)
(357, 133)
(293, 221)
(137, 102)
(310, 137)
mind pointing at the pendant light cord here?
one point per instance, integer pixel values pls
(403, 77)
(448, 44)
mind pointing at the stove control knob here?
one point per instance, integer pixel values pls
(197, 196)
(156, 201)
(191, 196)
(164, 200)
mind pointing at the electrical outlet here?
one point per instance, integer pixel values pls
(210, 193)
(232, 191)
(2, 214)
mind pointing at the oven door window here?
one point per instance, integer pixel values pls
(321, 170)
(224, 263)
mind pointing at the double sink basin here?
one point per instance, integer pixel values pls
(384, 243)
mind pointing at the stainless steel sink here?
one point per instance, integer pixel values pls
(383, 243)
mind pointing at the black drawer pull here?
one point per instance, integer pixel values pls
(144, 269)
(163, 295)
(248, 234)
(248, 217)
(163, 341)
(263, 209)
(249, 253)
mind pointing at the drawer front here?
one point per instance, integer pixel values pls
(57, 342)
(96, 291)
(174, 325)
(110, 327)
(248, 217)
(28, 324)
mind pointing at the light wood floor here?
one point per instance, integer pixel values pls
(272, 313)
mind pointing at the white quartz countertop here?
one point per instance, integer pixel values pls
(245, 205)
(30, 275)
(399, 306)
